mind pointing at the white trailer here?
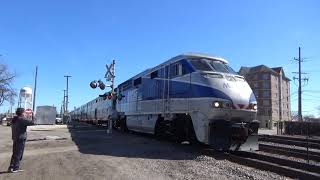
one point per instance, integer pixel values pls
(46, 115)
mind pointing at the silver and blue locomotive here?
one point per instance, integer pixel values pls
(192, 97)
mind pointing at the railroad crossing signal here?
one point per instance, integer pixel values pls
(110, 76)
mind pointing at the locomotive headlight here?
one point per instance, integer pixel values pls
(216, 104)
(254, 107)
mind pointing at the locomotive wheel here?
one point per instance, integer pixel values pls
(123, 125)
(159, 130)
(184, 129)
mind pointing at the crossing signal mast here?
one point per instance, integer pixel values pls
(110, 77)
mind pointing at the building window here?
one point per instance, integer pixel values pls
(266, 102)
(266, 85)
(266, 93)
(256, 85)
(265, 76)
(269, 112)
(261, 112)
(255, 77)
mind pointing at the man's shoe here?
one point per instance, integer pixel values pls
(13, 171)
(16, 170)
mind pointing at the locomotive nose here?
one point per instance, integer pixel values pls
(242, 96)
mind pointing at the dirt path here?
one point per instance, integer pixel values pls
(88, 153)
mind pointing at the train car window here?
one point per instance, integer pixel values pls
(184, 69)
(154, 74)
(200, 65)
(137, 81)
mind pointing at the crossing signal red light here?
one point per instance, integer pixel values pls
(109, 95)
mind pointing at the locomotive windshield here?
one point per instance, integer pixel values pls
(221, 67)
(211, 65)
(200, 65)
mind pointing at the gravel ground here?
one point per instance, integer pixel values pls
(89, 153)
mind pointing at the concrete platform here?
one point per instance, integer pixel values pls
(267, 131)
(46, 127)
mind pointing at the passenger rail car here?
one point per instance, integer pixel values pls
(193, 97)
(97, 111)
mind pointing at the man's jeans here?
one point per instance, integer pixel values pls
(17, 153)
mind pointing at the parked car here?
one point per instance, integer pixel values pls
(58, 120)
(9, 121)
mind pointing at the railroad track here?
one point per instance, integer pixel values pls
(311, 143)
(293, 138)
(281, 166)
(298, 153)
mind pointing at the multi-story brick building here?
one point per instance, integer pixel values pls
(272, 90)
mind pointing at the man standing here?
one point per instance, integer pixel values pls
(19, 136)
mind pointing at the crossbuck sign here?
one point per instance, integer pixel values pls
(110, 72)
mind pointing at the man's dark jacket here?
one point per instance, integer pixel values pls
(19, 128)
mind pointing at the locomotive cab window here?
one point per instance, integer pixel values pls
(137, 81)
(154, 74)
(176, 70)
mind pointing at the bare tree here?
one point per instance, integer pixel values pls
(7, 93)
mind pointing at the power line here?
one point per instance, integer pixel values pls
(312, 91)
(312, 96)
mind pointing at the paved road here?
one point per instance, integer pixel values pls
(87, 152)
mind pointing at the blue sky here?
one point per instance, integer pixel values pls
(78, 38)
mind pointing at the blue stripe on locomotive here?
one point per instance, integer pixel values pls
(152, 89)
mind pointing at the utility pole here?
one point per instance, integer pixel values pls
(300, 99)
(67, 95)
(64, 101)
(299, 59)
(299, 90)
(35, 92)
